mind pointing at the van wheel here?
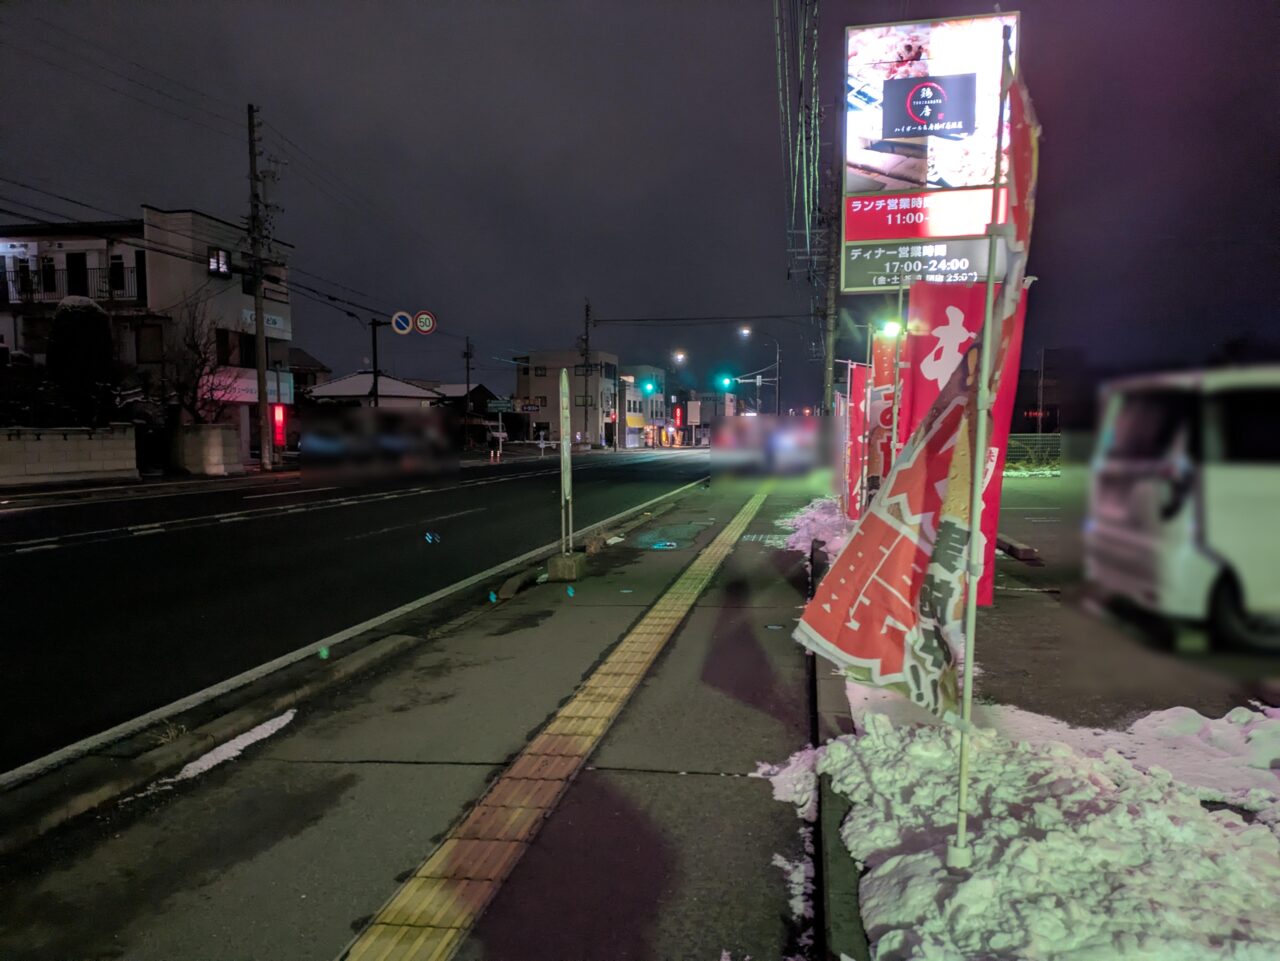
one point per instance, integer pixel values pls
(1232, 625)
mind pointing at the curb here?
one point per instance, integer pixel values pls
(1016, 549)
(846, 937)
(36, 806)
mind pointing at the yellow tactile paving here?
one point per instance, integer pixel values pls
(472, 860)
(438, 903)
(516, 792)
(397, 942)
(489, 823)
(429, 916)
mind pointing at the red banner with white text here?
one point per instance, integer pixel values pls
(856, 441)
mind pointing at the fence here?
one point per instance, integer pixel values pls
(1041, 450)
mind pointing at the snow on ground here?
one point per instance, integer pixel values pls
(821, 520)
(1089, 845)
(1032, 472)
(220, 754)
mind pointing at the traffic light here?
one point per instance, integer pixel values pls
(726, 382)
(648, 387)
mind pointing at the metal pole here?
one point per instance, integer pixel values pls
(373, 333)
(259, 327)
(959, 854)
(777, 378)
(1040, 393)
(586, 371)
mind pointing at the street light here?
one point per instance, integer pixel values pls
(777, 370)
(678, 356)
(891, 328)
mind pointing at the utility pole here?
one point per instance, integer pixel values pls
(374, 324)
(1040, 396)
(467, 354)
(259, 325)
(586, 367)
(829, 338)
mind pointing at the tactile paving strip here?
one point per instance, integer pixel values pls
(428, 918)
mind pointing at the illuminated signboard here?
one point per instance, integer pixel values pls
(923, 213)
(881, 266)
(921, 105)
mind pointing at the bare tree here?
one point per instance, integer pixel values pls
(201, 386)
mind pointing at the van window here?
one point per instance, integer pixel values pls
(1148, 422)
(1247, 426)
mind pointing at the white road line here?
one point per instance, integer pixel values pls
(400, 527)
(305, 490)
(144, 531)
(41, 547)
(120, 731)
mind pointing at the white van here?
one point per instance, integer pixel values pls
(1184, 507)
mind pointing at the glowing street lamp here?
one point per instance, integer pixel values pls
(678, 356)
(744, 331)
(891, 328)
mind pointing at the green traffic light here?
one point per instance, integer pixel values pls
(648, 387)
(726, 382)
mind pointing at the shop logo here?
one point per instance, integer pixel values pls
(929, 106)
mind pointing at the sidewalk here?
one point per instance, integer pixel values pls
(660, 848)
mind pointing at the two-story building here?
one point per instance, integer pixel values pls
(655, 404)
(152, 275)
(593, 391)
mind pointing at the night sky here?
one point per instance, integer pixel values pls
(497, 163)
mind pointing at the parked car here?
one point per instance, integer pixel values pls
(1184, 505)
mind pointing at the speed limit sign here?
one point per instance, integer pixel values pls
(425, 322)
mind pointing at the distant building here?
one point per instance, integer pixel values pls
(307, 371)
(455, 396)
(357, 389)
(593, 390)
(148, 274)
(655, 403)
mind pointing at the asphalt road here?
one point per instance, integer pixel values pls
(116, 606)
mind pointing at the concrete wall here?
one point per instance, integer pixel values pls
(208, 450)
(30, 455)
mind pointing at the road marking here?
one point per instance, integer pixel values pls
(38, 547)
(129, 728)
(427, 520)
(144, 531)
(432, 913)
(305, 490)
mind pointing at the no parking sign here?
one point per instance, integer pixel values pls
(401, 322)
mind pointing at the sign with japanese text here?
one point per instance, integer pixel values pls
(929, 106)
(922, 213)
(886, 265)
(856, 449)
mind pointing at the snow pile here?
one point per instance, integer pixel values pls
(821, 520)
(1074, 857)
(219, 755)
(1032, 472)
(796, 781)
(1234, 759)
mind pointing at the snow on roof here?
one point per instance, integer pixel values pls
(301, 359)
(360, 384)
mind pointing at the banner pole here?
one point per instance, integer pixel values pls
(959, 853)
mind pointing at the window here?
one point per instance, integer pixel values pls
(539, 372)
(115, 272)
(223, 343)
(541, 400)
(1246, 422)
(248, 351)
(150, 342)
(1149, 422)
(219, 262)
(48, 275)
(524, 371)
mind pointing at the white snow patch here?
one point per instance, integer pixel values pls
(821, 520)
(1075, 856)
(796, 781)
(1032, 472)
(223, 752)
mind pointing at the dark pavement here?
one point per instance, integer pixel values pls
(136, 602)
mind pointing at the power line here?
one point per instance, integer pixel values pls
(722, 319)
(125, 77)
(132, 63)
(124, 93)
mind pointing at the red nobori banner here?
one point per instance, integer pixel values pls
(924, 213)
(942, 322)
(880, 412)
(856, 440)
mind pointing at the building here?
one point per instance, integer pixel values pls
(307, 371)
(655, 403)
(593, 388)
(175, 284)
(633, 406)
(457, 398)
(357, 390)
